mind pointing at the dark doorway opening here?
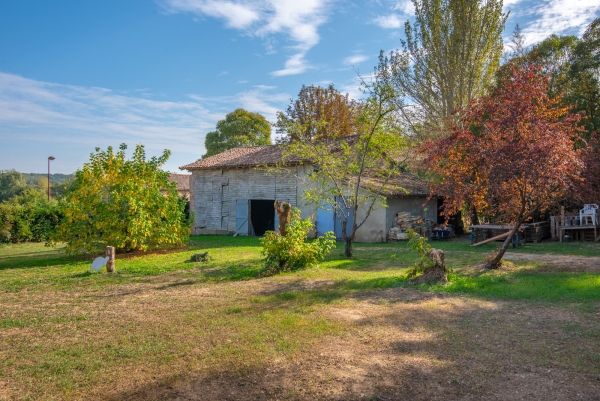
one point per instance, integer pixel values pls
(455, 219)
(262, 216)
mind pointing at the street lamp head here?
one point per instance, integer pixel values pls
(51, 158)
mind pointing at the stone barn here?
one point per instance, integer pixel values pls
(234, 192)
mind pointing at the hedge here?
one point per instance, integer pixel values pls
(28, 223)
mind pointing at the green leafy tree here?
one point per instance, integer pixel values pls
(239, 128)
(11, 183)
(352, 172)
(449, 57)
(128, 204)
(574, 68)
(585, 72)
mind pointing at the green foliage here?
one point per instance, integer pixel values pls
(422, 247)
(293, 251)
(349, 173)
(29, 222)
(574, 67)
(128, 204)
(12, 183)
(239, 128)
(450, 55)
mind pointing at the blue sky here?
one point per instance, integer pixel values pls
(76, 74)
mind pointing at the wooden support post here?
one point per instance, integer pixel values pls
(506, 234)
(109, 252)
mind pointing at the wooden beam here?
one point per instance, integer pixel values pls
(492, 239)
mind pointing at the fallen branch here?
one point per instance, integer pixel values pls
(497, 237)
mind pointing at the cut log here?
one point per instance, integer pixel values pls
(109, 252)
(497, 237)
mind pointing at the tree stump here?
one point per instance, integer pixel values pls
(437, 257)
(109, 252)
(436, 273)
(284, 210)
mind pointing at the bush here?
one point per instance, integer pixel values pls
(33, 222)
(422, 247)
(292, 251)
(128, 204)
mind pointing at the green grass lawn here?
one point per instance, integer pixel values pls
(67, 333)
(35, 267)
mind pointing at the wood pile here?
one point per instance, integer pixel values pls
(532, 232)
(535, 232)
(405, 221)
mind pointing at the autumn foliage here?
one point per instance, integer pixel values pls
(510, 154)
(128, 204)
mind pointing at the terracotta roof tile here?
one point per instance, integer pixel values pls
(399, 186)
(182, 181)
(239, 157)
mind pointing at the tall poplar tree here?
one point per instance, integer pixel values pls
(450, 55)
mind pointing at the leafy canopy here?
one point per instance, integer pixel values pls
(239, 128)
(11, 183)
(318, 114)
(352, 172)
(449, 57)
(510, 154)
(128, 204)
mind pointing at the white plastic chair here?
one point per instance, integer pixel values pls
(588, 213)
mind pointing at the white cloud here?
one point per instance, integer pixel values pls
(508, 3)
(355, 59)
(399, 12)
(296, 64)
(80, 118)
(236, 14)
(407, 8)
(559, 17)
(297, 20)
(391, 21)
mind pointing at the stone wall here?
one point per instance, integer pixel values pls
(214, 194)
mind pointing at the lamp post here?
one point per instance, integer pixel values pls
(50, 158)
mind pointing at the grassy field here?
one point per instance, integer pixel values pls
(165, 328)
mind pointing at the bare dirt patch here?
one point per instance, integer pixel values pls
(559, 263)
(170, 338)
(406, 344)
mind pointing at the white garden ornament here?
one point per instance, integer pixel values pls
(99, 263)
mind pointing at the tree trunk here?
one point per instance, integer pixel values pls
(474, 217)
(348, 249)
(495, 262)
(283, 210)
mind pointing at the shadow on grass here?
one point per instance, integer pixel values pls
(39, 260)
(176, 284)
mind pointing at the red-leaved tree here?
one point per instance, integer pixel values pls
(509, 154)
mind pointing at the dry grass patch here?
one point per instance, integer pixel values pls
(342, 331)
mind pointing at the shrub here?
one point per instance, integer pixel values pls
(128, 204)
(292, 251)
(34, 222)
(422, 247)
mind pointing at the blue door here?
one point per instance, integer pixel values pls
(241, 216)
(338, 225)
(325, 219)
